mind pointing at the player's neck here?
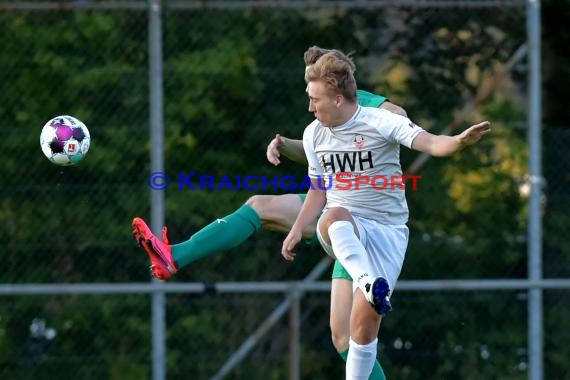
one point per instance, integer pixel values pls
(347, 112)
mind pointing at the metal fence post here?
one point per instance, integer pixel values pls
(535, 307)
(294, 335)
(157, 165)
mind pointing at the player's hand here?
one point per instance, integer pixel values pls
(273, 151)
(288, 248)
(474, 133)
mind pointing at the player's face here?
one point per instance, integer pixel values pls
(323, 103)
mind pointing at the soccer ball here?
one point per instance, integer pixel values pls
(65, 140)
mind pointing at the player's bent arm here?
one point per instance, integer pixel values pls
(293, 150)
(388, 106)
(312, 207)
(441, 145)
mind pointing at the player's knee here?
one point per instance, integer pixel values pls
(335, 214)
(256, 202)
(340, 339)
(363, 331)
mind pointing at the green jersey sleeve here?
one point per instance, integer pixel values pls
(368, 99)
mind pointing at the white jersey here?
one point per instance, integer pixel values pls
(359, 163)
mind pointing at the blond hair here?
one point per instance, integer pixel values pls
(336, 72)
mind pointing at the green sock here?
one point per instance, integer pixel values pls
(220, 235)
(377, 371)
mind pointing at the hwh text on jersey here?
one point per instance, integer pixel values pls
(347, 162)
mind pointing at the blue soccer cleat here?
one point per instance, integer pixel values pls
(377, 294)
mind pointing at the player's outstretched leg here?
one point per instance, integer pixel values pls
(219, 236)
(274, 212)
(162, 265)
(377, 294)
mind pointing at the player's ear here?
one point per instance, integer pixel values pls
(339, 100)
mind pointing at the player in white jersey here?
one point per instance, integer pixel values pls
(365, 148)
(360, 164)
(270, 212)
(364, 222)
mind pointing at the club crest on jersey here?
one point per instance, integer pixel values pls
(359, 141)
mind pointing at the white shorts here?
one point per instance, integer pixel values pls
(386, 247)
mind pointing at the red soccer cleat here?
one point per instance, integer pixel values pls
(162, 265)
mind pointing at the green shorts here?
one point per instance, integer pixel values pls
(340, 272)
(338, 269)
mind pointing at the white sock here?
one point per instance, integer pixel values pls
(351, 253)
(360, 360)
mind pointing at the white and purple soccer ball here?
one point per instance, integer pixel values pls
(65, 140)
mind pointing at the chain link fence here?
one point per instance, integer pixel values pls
(233, 78)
